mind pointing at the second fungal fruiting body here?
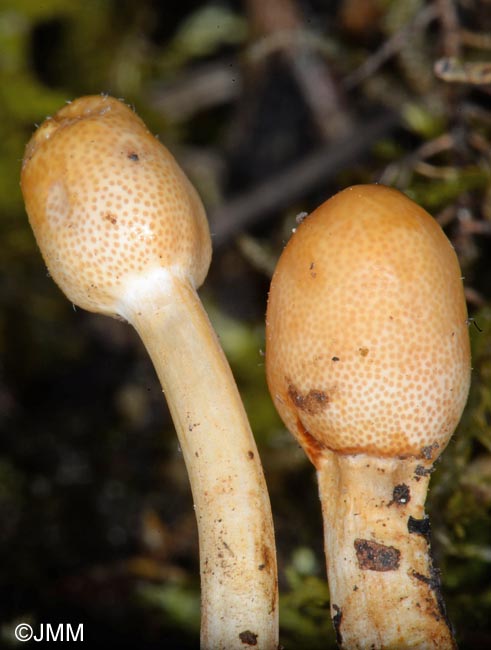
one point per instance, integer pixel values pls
(368, 364)
(123, 233)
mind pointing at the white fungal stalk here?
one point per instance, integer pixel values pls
(123, 233)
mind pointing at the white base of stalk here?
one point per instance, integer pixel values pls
(239, 599)
(385, 592)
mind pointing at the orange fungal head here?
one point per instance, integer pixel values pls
(108, 204)
(367, 345)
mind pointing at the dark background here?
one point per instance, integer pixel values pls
(270, 107)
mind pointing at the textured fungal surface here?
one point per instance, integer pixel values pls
(107, 202)
(369, 353)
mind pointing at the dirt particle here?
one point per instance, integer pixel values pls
(427, 452)
(133, 156)
(373, 556)
(401, 495)
(315, 401)
(422, 578)
(336, 621)
(335, 359)
(227, 548)
(248, 637)
(421, 471)
(420, 527)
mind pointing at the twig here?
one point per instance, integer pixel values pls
(452, 70)
(398, 171)
(478, 40)
(200, 88)
(257, 254)
(389, 48)
(450, 24)
(310, 70)
(278, 192)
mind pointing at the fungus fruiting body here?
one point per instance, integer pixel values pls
(368, 364)
(123, 233)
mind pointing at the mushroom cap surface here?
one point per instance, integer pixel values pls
(108, 203)
(367, 344)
